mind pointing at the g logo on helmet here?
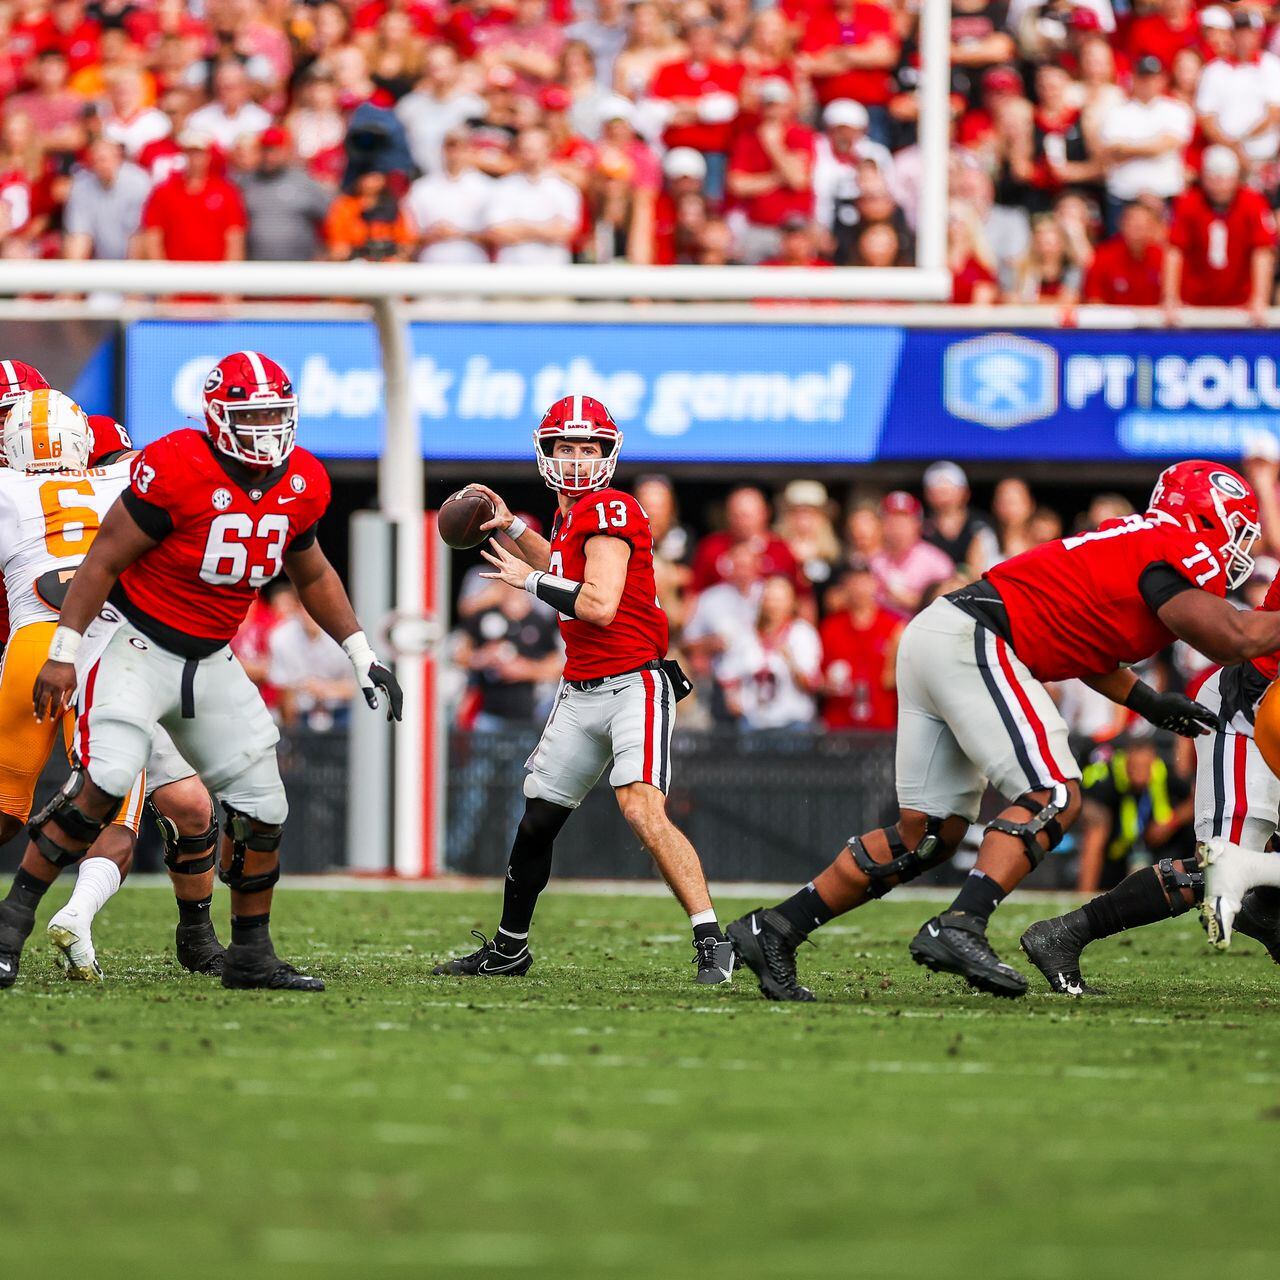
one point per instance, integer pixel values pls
(213, 381)
(1228, 484)
(221, 499)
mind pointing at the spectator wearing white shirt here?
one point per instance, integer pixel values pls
(769, 672)
(534, 214)
(724, 611)
(128, 120)
(308, 668)
(1143, 141)
(438, 104)
(449, 208)
(841, 147)
(232, 113)
(1238, 100)
(104, 207)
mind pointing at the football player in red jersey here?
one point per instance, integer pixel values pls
(972, 709)
(1237, 809)
(208, 519)
(617, 699)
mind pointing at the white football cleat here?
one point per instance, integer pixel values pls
(1229, 873)
(70, 934)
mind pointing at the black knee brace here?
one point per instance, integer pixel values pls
(1045, 820)
(1173, 880)
(176, 844)
(74, 821)
(244, 836)
(904, 864)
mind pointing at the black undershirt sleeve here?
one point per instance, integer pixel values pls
(1159, 582)
(154, 521)
(306, 538)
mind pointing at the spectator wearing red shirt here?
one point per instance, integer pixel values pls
(1126, 270)
(771, 172)
(973, 281)
(32, 31)
(859, 657)
(194, 216)
(850, 51)
(747, 519)
(1221, 243)
(530, 45)
(1173, 25)
(701, 92)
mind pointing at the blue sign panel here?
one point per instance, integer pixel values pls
(747, 392)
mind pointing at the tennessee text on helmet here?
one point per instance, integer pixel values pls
(46, 431)
(577, 418)
(1207, 497)
(250, 409)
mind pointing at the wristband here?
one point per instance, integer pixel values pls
(560, 593)
(517, 528)
(65, 644)
(357, 648)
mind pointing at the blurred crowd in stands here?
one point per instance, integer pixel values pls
(1116, 151)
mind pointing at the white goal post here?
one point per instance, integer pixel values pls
(388, 287)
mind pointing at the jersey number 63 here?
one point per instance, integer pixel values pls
(232, 537)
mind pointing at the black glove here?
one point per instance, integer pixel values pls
(1173, 711)
(380, 677)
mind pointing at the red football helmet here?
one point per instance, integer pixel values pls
(250, 409)
(577, 418)
(1208, 497)
(108, 439)
(17, 377)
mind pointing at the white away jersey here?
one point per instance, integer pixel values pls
(47, 522)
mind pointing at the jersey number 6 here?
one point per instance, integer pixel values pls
(226, 553)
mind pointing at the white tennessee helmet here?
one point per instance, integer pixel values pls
(47, 431)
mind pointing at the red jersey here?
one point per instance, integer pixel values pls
(854, 659)
(221, 533)
(1269, 664)
(868, 85)
(1075, 605)
(774, 207)
(194, 224)
(711, 561)
(1116, 277)
(638, 632)
(696, 80)
(1218, 245)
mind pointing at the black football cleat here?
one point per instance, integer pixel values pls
(486, 962)
(1258, 918)
(766, 943)
(1054, 947)
(957, 943)
(199, 950)
(258, 969)
(714, 960)
(16, 924)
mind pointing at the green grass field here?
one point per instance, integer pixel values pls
(606, 1117)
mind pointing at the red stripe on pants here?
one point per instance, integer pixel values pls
(89, 683)
(1037, 725)
(649, 699)
(1241, 810)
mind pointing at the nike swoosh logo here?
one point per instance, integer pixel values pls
(755, 928)
(496, 968)
(8, 968)
(282, 501)
(933, 933)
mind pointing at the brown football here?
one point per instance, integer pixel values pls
(460, 518)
